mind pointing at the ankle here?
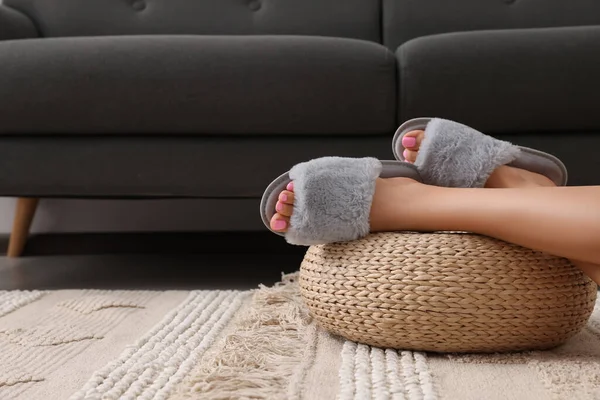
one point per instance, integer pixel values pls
(401, 204)
(392, 202)
(440, 209)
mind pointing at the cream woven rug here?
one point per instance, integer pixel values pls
(90, 344)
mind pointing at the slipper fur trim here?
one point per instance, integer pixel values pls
(455, 155)
(332, 199)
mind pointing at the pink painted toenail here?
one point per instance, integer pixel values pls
(280, 224)
(283, 197)
(405, 154)
(409, 141)
(290, 186)
(279, 206)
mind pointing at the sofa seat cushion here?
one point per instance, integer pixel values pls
(196, 85)
(530, 80)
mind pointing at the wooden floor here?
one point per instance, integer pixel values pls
(150, 261)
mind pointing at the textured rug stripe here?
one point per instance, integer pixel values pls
(425, 378)
(13, 300)
(362, 371)
(381, 390)
(393, 375)
(371, 373)
(347, 379)
(47, 336)
(152, 367)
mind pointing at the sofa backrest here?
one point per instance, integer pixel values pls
(404, 20)
(391, 22)
(359, 19)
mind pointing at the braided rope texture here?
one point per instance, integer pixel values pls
(445, 292)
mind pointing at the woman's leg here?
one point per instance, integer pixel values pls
(564, 221)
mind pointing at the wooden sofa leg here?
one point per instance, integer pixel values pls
(24, 214)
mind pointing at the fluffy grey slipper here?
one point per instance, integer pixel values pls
(455, 155)
(332, 197)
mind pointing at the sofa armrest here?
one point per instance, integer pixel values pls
(15, 25)
(521, 80)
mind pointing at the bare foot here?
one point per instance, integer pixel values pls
(503, 177)
(395, 206)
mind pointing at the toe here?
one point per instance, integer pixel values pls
(279, 223)
(410, 155)
(286, 197)
(412, 140)
(284, 209)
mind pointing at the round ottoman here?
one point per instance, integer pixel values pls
(445, 292)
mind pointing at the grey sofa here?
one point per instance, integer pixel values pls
(177, 98)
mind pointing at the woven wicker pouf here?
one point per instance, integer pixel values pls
(445, 292)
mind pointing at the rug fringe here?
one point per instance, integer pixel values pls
(260, 357)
